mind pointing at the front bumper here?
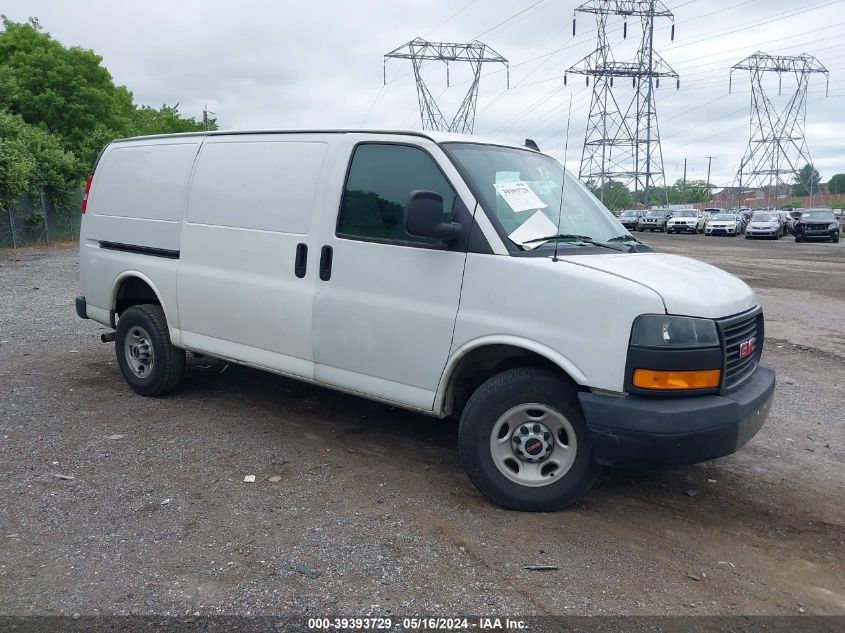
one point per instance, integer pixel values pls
(818, 234)
(721, 231)
(762, 232)
(682, 228)
(648, 432)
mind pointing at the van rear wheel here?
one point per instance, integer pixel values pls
(524, 443)
(150, 363)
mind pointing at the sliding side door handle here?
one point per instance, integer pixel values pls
(301, 263)
(326, 263)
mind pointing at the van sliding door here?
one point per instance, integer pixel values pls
(248, 256)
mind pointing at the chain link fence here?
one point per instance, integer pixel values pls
(32, 221)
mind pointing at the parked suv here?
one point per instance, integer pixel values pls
(817, 224)
(686, 221)
(629, 218)
(654, 220)
(433, 272)
(765, 224)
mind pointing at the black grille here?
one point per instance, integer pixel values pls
(736, 331)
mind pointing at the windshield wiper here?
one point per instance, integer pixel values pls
(583, 238)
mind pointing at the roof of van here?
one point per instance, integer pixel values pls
(437, 137)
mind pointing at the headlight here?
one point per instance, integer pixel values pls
(656, 330)
(833, 225)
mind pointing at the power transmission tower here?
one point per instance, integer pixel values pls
(205, 120)
(623, 139)
(475, 53)
(776, 145)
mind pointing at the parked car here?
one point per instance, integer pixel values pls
(765, 224)
(686, 221)
(397, 266)
(654, 220)
(786, 221)
(630, 217)
(817, 224)
(723, 224)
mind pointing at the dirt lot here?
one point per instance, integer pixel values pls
(157, 518)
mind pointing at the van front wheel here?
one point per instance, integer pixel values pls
(524, 443)
(150, 363)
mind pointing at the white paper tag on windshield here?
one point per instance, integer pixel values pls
(519, 196)
(538, 225)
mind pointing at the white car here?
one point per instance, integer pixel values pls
(765, 224)
(686, 221)
(723, 224)
(435, 272)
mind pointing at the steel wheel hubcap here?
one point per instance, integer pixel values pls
(138, 349)
(533, 445)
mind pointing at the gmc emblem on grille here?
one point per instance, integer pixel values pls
(746, 348)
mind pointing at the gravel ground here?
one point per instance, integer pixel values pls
(157, 519)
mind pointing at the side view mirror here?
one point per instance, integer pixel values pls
(424, 217)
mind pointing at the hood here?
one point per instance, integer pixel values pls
(764, 225)
(687, 286)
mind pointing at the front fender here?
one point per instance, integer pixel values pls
(459, 353)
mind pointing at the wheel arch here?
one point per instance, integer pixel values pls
(478, 360)
(132, 287)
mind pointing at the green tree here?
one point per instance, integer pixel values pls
(836, 184)
(65, 90)
(33, 161)
(16, 162)
(166, 120)
(696, 191)
(806, 181)
(615, 196)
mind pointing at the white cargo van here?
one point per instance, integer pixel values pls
(435, 272)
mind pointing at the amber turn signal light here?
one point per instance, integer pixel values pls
(672, 380)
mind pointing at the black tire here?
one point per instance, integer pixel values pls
(499, 394)
(168, 364)
(798, 238)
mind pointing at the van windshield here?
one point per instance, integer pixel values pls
(521, 190)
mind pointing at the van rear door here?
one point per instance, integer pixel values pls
(248, 260)
(386, 301)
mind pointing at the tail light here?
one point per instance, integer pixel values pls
(85, 194)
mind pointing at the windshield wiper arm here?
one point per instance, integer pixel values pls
(560, 236)
(583, 238)
(624, 238)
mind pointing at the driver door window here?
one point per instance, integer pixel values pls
(380, 180)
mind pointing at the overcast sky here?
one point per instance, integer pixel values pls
(284, 64)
